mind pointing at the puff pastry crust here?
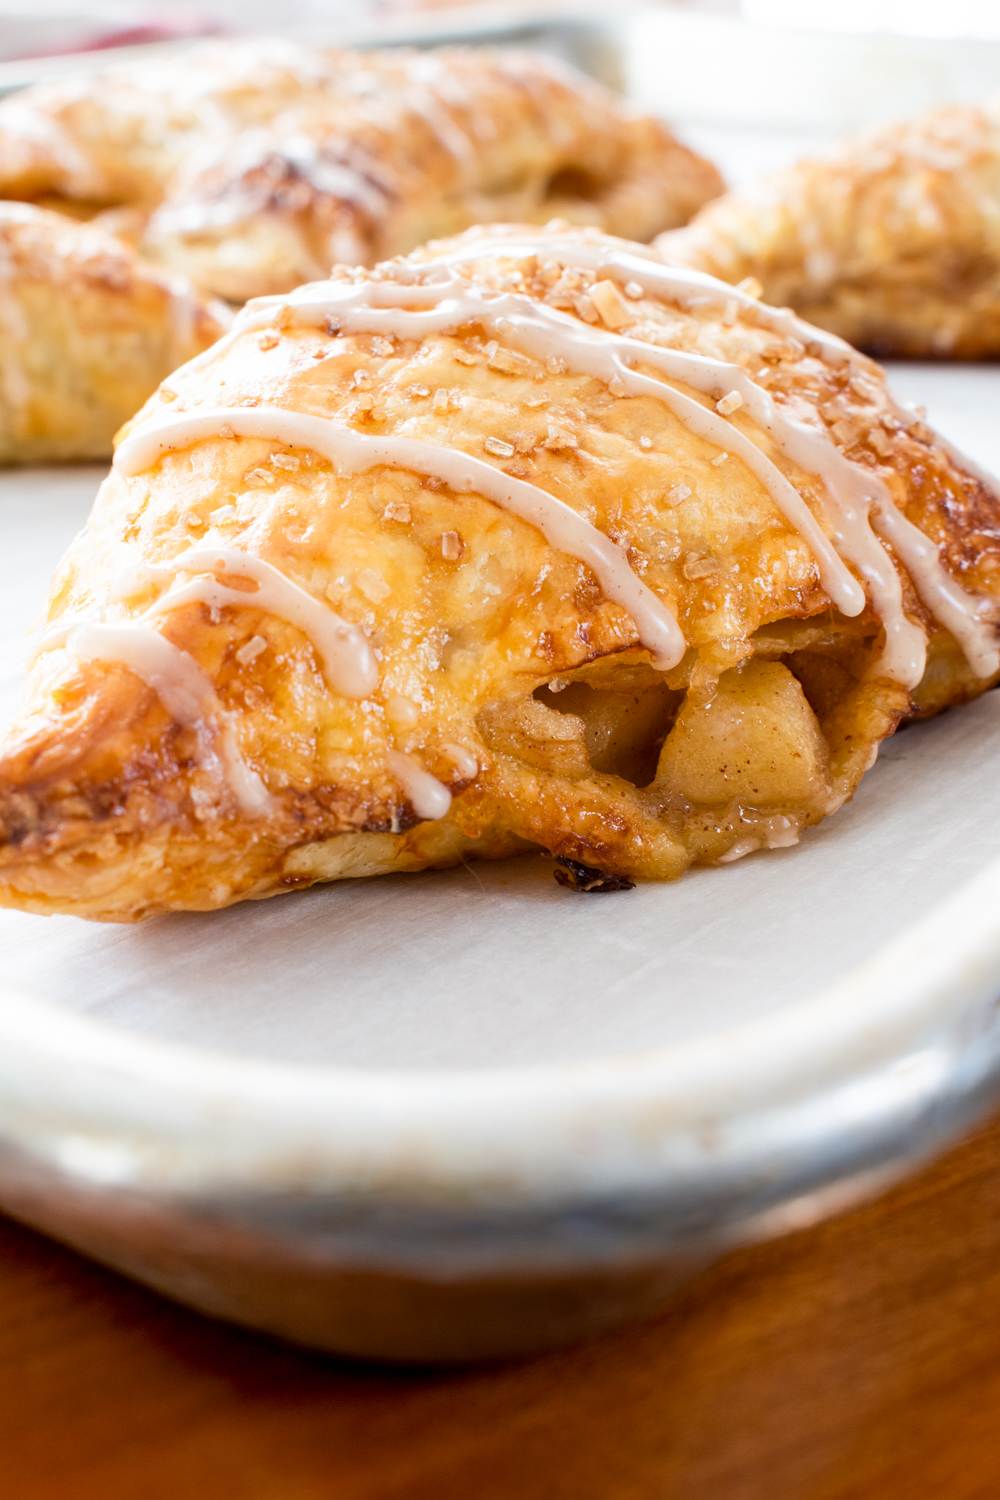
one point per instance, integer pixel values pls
(87, 332)
(525, 541)
(253, 166)
(893, 241)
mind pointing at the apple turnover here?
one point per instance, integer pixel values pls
(87, 332)
(527, 541)
(893, 242)
(255, 165)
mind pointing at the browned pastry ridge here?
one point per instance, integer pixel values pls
(525, 541)
(87, 332)
(255, 165)
(893, 241)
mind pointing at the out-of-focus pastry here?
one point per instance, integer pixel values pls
(87, 332)
(254, 165)
(893, 241)
(526, 541)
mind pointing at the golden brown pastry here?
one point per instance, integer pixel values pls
(893, 241)
(255, 165)
(87, 332)
(527, 541)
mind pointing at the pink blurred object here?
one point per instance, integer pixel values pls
(24, 37)
(130, 36)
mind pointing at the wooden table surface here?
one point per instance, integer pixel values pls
(858, 1359)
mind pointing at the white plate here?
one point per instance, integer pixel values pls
(467, 1113)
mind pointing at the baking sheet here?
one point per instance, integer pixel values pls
(492, 965)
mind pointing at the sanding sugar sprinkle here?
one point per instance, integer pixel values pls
(730, 403)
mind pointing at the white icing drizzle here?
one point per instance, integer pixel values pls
(346, 656)
(184, 308)
(604, 257)
(238, 201)
(545, 332)
(183, 689)
(355, 452)
(339, 179)
(15, 332)
(657, 278)
(182, 312)
(856, 496)
(969, 620)
(131, 577)
(425, 103)
(424, 87)
(429, 798)
(20, 117)
(965, 617)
